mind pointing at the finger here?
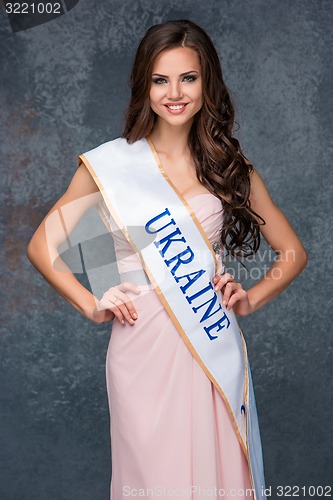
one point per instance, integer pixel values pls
(117, 313)
(223, 280)
(115, 295)
(229, 289)
(124, 311)
(128, 287)
(107, 304)
(122, 297)
(241, 294)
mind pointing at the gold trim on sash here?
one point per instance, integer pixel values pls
(246, 399)
(174, 319)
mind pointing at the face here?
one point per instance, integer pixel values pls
(176, 88)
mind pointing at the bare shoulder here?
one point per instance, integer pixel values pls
(277, 230)
(81, 194)
(260, 198)
(82, 183)
(82, 190)
(262, 203)
(259, 195)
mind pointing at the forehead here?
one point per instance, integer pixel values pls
(178, 60)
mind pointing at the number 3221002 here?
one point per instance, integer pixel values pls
(33, 8)
(304, 491)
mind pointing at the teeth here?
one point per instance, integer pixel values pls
(178, 106)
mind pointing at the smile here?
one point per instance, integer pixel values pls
(176, 106)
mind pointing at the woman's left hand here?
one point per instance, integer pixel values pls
(234, 296)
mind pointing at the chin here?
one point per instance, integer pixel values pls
(177, 120)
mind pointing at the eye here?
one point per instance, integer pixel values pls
(159, 80)
(189, 78)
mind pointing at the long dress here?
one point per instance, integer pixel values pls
(171, 433)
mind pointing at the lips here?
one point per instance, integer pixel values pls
(176, 108)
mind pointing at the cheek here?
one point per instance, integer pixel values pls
(152, 101)
(197, 94)
(200, 93)
(155, 97)
(199, 99)
(155, 93)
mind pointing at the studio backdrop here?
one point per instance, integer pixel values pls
(63, 91)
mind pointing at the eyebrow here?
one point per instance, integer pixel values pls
(182, 74)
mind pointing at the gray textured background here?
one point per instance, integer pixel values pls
(63, 91)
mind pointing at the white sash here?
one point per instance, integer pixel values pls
(180, 264)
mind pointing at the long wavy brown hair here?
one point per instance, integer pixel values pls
(220, 163)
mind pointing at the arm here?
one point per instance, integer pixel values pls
(292, 256)
(42, 251)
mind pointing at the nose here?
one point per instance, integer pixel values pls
(175, 90)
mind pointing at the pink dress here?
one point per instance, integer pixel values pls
(171, 433)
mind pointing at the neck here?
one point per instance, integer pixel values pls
(171, 140)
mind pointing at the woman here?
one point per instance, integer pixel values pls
(183, 417)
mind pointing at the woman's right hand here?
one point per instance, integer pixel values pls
(116, 304)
